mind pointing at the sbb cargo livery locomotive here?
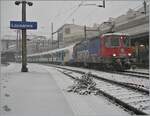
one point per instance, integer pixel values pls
(111, 51)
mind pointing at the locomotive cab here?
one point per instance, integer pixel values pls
(116, 49)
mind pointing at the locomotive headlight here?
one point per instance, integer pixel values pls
(114, 54)
(129, 54)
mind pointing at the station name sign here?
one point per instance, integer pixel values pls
(23, 25)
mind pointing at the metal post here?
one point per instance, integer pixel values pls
(20, 40)
(24, 51)
(17, 40)
(103, 3)
(144, 3)
(17, 45)
(52, 33)
(58, 42)
(85, 32)
(52, 38)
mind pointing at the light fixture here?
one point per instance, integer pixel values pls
(129, 54)
(141, 45)
(17, 2)
(30, 3)
(114, 54)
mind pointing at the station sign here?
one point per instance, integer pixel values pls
(23, 25)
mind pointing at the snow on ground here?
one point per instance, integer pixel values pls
(125, 79)
(89, 105)
(133, 98)
(32, 94)
(117, 77)
(42, 92)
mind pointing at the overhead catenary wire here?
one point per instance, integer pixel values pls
(141, 5)
(85, 19)
(73, 11)
(60, 12)
(89, 14)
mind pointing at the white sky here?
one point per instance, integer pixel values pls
(58, 12)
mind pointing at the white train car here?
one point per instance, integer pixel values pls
(57, 56)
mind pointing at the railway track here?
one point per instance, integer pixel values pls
(135, 74)
(140, 84)
(126, 96)
(129, 73)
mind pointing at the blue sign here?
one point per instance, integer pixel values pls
(23, 25)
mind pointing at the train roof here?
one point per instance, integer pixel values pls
(51, 51)
(115, 34)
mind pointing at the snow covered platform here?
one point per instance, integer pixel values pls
(42, 92)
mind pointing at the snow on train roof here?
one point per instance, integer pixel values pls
(116, 34)
(51, 51)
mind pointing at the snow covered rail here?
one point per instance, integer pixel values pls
(132, 86)
(134, 74)
(143, 73)
(133, 101)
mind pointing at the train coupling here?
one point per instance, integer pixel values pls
(123, 64)
(118, 65)
(118, 61)
(127, 64)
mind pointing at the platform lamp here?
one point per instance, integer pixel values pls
(24, 51)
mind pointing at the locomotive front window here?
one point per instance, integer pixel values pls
(112, 41)
(115, 41)
(107, 42)
(126, 42)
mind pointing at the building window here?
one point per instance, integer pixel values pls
(60, 36)
(67, 30)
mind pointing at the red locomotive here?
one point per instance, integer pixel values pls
(111, 50)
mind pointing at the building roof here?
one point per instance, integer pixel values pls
(71, 25)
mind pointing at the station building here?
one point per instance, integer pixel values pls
(72, 33)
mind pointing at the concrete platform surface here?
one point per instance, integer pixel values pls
(34, 93)
(42, 92)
